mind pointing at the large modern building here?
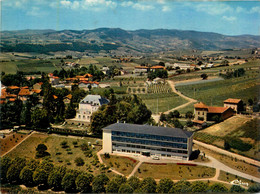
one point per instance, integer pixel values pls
(147, 140)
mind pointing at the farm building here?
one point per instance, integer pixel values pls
(147, 140)
(208, 113)
(236, 104)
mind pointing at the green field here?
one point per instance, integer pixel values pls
(214, 93)
(164, 101)
(30, 65)
(174, 171)
(59, 155)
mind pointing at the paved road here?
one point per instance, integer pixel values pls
(213, 164)
(17, 144)
(227, 153)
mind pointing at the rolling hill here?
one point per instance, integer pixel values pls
(107, 39)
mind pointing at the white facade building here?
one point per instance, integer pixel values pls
(88, 106)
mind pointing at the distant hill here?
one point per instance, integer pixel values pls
(107, 39)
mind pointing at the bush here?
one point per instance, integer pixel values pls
(64, 144)
(79, 161)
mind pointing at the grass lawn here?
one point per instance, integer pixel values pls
(121, 164)
(59, 155)
(231, 162)
(225, 176)
(166, 101)
(174, 171)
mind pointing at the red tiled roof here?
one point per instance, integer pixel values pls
(36, 91)
(198, 121)
(69, 96)
(88, 75)
(25, 87)
(141, 67)
(13, 87)
(55, 97)
(24, 92)
(40, 83)
(2, 101)
(232, 101)
(212, 109)
(11, 95)
(158, 67)
(12, 99)
(200, 105)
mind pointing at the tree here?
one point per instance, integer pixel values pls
(70, 111)
(164, 185)
(125, 188)
(55, 177)
(199, 186)
(134, 182)
(79, 161)
(255, 188)
(148, 185)
(162, 117)
(26, 176)
(41, 151)
(119, 179)
(40, 118)
(189, 114)
(189, 123)
(218, 188)
(13, 172)
(40, 177)
(83, 182)
(5, 164)
(250, 102)
(204, 76)
(112, 186)
(68, 182)
(99, 182)
(237, 189)
(181, 187)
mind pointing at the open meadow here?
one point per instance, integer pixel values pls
(63, 150)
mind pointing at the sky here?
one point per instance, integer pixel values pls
(225, 17)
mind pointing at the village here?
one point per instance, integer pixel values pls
(124, 122)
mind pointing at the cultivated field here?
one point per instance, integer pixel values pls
(162, 101)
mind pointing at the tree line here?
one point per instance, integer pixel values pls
(45, 175)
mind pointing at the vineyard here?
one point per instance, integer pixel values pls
(159, 88)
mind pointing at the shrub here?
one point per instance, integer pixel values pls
(64, 144)
(79, 161)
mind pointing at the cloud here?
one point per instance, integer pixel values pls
(137, 6)
(35, 11)
(166, 9)
(229, 18)
(213, 9)
(94, 5)
(255, 10)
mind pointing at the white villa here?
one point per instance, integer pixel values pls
(88, 106)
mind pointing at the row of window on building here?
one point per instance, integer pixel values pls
(148, 136)
(149, 142)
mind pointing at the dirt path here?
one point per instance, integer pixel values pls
(190, 100)
(17, 144)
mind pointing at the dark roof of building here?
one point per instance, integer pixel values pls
(94, 100)
(147, 129)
